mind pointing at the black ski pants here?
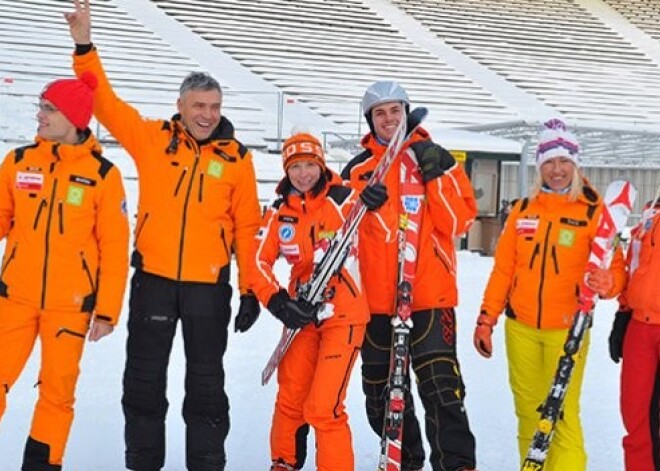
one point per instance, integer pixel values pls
(439, 383)
(156, 304)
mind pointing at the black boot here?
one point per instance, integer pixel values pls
(35, 457)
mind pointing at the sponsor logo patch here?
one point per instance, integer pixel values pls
(29, 181)
(287, 232)
(291, 252)
(215, 169)
(566, 237)
(75, 195)
(411, 204)
(527, 227)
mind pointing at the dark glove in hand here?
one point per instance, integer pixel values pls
(293, 314)
(619, 328)
(374, 196)
(433, 160)
(248, 311)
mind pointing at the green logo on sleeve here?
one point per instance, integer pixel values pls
(215, 169)
(566, 237)
(75, 195)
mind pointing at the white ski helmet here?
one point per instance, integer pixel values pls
(383, 91)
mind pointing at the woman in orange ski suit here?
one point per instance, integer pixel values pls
(636, 339)
(63, 213)
(313, 375)
(539, 265)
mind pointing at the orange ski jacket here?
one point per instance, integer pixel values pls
(63, 212)
(641, 293)
(541, 257)
(448, 211)
(198, 202)
(299, 230)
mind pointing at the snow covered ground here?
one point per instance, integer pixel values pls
(96, 441)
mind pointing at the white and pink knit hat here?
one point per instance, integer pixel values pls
(556, 141)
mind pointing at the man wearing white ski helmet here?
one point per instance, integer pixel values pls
(378, 93)
(447, 210)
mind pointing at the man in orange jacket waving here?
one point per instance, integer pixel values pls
(198, 203)
(63, 214)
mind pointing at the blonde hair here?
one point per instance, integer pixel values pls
(576, 184)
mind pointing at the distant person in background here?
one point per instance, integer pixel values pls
(198, 205)
(64, 270)
(635, 338)
(539, 265)
(448, 210)
(505, 209)
(313, 375)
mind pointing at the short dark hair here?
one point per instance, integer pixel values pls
(199, 81)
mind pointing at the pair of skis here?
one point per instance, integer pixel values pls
(618, 200)
(314, 292)
(410, 219)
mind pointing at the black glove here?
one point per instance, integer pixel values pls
(619, 328)
(374, 196)
(433, 160)
(293, 314)
(248, 311)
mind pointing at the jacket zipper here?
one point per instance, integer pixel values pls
(184, 216)
(64, 330)
(534, 255)
(86, 270)
(42, 203)
(442, 260)
(60, 211)
(554, 259)
(47, 245)
(178, 184)
(542, 278)
(11, 257)
(345, 280)
(224, 243)
(138, 231)
(201, 187)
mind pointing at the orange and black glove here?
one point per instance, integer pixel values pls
(483, 334)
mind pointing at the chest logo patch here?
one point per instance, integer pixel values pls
(29, 181)
(412, 204)
(215, 169)
(287, 232)
(75, 195)
(566, 237)
(527, 227)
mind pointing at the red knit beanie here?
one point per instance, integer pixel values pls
(302, 146)
(73, 97)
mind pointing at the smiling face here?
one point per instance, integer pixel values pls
(200, 112)
(303, 175)
(557, 173)
(53, 125)
(386, 118)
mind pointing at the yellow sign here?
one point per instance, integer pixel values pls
(459, 155)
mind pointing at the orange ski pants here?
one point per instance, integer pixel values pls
(313, 377)
(62, 336)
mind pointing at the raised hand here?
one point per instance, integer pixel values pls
(80, 22)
